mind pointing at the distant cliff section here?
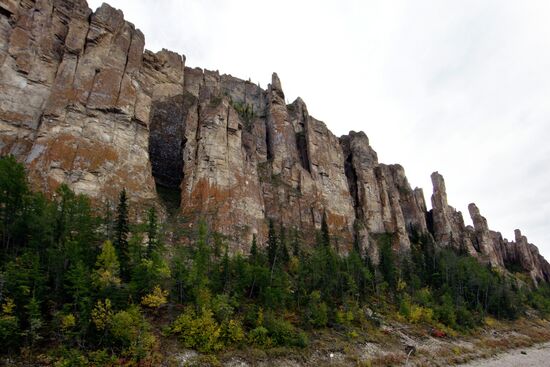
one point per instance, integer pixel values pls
(82, 103)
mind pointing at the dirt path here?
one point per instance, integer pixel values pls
(535, 356)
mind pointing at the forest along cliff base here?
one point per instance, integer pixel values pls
(83, 104)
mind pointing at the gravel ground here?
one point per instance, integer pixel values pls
(528, 357)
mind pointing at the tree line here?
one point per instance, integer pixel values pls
(94, 288)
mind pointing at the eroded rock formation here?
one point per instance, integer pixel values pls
(82, 103)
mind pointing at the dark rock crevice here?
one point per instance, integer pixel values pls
(166, 144)
(5, 12)
(351, 176)
(301, 146)
(430, 222)
(268, 142)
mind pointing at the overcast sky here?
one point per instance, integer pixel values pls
(461, 87)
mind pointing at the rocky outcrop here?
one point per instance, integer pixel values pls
(447, 224)
(82, 103)
(72, 105)
(488, 242)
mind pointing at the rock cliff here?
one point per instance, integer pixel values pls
(82, 103)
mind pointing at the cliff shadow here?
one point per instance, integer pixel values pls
(166, 145)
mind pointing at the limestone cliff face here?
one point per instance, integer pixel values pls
(82, 103)
(73, 106)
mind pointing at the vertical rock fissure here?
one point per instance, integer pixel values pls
(125, 67)
(96, 72)
(351, 176)
(268, 142)
(301, 145)
(166, 145)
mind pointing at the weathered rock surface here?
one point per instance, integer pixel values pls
(82, 103)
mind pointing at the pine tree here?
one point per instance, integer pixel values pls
(107, 267)
(387, 261)
(283, 247)
(254, 249)
(152, 232)
(296, 242)
(357, 241)
(13, 187)
(108, 221)
(122, 231)
(225, 271)
(201, 259)
(272, 244)
(325, 235)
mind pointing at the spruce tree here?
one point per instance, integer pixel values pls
(152, 232)
(225, 271)
(107, 266)
(296, 242)
(325, 235)
(283, 247)
(13, 188)
(272, 244)
(387, 261)
(254, 249)
(122, 230)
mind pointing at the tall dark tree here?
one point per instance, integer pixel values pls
(387, 261)
(296, 242)
(272, 244)
(121, 233)
(325, 234)
(225, 272)
(283, 246)
(357, 240)
(107, 221)
(13, 187)
(254, 249)
(152, 232)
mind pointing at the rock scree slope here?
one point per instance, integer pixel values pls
(82, 103)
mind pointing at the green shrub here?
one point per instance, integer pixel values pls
(201, 332)
(232, 332)
(131, 332)
(71, 358)
(222, 308)
(9, 332)
(405, 308)
(344, 316)
(446, 312)
(259, 337)
(316, 314)
(101, 358)
(283, 333)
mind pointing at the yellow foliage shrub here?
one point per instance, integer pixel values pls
(102, 314)
(68, 322)
(8, 306)
(155, 299)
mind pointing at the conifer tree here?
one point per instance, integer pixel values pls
(296, 242)
(108, 221)
(13, 187)
(283, 247)
(387, 261)
(152, 232)
(225, 271)
(325, 235)
(254, 249)
(122, 230)
(201, 259)
(272, 244)
(107, 267)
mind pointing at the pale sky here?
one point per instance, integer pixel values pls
(461, 87)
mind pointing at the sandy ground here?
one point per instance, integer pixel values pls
(535, 356)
